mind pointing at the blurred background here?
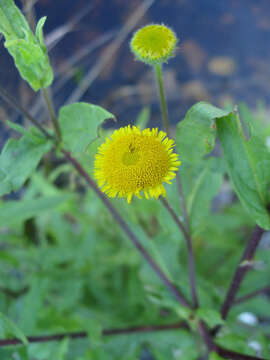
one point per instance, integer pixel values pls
(223, 56)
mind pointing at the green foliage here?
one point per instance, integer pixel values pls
(196, 134)
(18, 160)
(28, 51)
(79, 124)
(248, 165)
(211, 317)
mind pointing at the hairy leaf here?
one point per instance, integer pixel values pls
(29, 52)
(79, 124)
(248, 163)
(196, 134)
(18, 160)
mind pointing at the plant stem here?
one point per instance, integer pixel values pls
(187, 237)
(51, 112)
(233, 355)
(12, 102)
(177, 294)
(227, 354)
(251, 295)
(163, 104)
(105, 332)
(241, 270)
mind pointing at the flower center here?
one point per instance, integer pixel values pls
(131, 157)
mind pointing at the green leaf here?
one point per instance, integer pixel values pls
(39, 31)
(210, 316)
(196, 134)
(18, 160)
(29, 52)
(79, 124)
(17, 211)
(248, 163)
(204, 184)
(11, 329)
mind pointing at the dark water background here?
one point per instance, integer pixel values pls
(223, 55)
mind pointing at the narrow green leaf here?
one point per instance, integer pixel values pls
(17, 211)
(196, 134)
(248, 163)
(79, 123)
(11, 329)
(29, 52)
(39, 32)
(18, 160)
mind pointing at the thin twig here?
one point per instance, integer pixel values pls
(51, 112)
(12, 102)
(187, 237)
(241, 270)
(105, 332)
(251, 295)
(110, 52)
(177, 294)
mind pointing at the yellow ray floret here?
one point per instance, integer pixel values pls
(132, 162)
(153, 44)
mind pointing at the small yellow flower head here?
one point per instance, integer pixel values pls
(133, 161)
(154, 44)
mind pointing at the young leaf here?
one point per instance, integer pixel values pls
(79, 124)
(196, 134)
(18, 160)
(248, 163)
(210, 316)
(29, 52)
(12, 329)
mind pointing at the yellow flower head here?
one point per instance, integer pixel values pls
(154, 44)
(133, 161)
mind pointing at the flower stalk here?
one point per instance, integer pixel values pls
(163, 103)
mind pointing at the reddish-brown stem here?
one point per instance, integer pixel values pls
(251, 295)
(241, 270)
(11, 101)
(105, 332)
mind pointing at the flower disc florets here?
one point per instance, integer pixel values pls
(133, 161)
(154, 44)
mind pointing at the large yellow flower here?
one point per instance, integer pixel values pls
(153, 44)
(133, 161)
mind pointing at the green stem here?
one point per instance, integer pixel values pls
(51, 112)
(163, 104)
